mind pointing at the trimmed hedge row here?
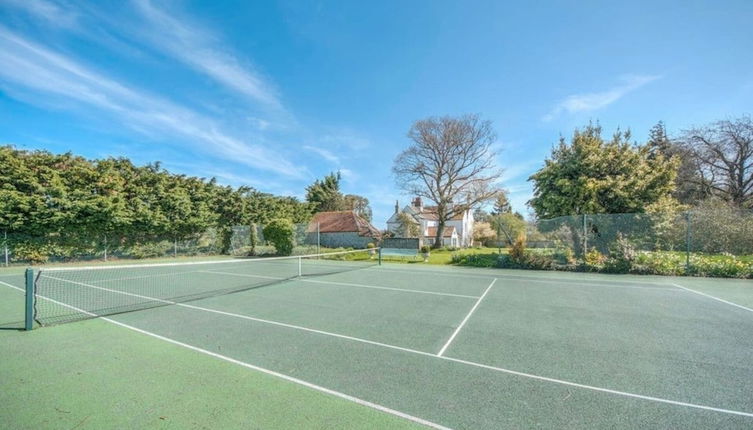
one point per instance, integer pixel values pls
(643, 263)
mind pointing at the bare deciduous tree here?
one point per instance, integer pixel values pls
(724, 155)
(451, 162)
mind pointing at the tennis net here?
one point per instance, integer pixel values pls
(70, 294)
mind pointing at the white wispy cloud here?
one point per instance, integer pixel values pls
(196, 47)
(324, 153)
(32, 67)
(593, 101)
(48, 11)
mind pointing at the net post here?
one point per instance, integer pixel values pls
(300, 272)
(379, 258)
(29, 315)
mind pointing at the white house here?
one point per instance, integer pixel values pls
(458, 231)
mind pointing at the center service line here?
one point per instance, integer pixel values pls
(473, 309)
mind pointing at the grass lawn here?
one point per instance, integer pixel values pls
(442, 256)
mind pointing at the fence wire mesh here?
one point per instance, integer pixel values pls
(722, 231)
(54, 248)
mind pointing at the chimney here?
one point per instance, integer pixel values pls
(418, 204)
(397, 207)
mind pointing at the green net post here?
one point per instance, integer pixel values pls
(29, 318)
(379, 258)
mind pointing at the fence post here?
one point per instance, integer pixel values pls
(318, 240)
(29, 315)
(379, 258)
(175, 247)
(105, 237)
(585, 236)
(687, 239)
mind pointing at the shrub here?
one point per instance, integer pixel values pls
(226, 239)
(565, 256)
(595, 258)
(518, 250)
(426, 249)
(280, 233)
(622, 256)
(370, 245)
(253, 239)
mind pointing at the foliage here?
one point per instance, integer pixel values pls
(450, 162)
(69, 205)
(358, 204)
(508, 225)
(407, 225)
(425, 249)
(253, 239)
(622, 256)
(594, 258)
(324, 196)
(690, 187)
(480, 215)
(370, 245)
(483, 232)
(502, 203)
(281, 234)
(591, 175)
(518, 250)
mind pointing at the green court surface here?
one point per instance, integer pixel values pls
(389, 346)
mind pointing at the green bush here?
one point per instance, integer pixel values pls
(426, 249)
(622, 256)
(281, 234)
(476, 260)
(517, 251)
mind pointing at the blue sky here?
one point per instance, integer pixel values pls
(276, 94)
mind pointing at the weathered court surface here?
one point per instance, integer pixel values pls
(393, 346)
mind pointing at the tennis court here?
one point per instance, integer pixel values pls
(439, 347)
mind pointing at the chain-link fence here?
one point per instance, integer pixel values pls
(710, 231)
(238, 241)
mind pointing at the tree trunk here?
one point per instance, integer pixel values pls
(438, 237)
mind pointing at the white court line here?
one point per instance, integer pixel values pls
(713, 297)
(12, 286)
(257, 368)
(456, 360)
(504, 276)
(347, 284)
(473, 309)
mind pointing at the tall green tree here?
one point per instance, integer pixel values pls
(324, 194)
(591, 175)
(502, 203)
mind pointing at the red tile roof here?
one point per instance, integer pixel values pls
(448, 230)
(342, 222)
